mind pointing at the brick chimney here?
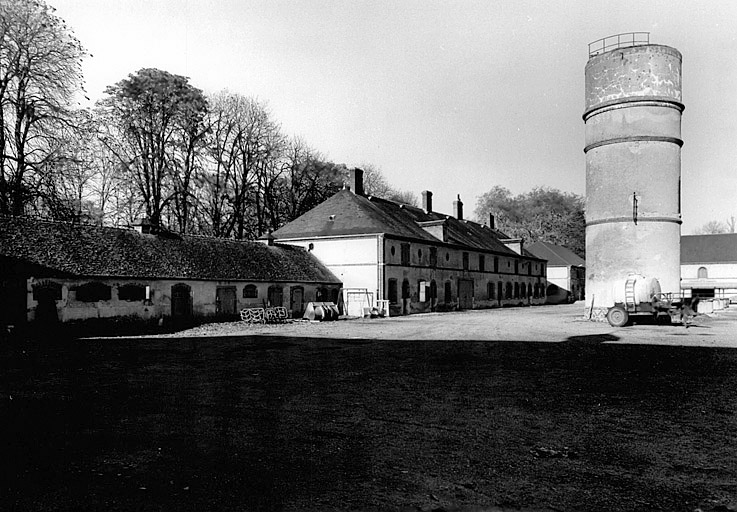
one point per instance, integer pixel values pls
(458, 208)
(491, 221)
(427, 201)
(356, 182)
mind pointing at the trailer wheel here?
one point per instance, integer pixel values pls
(617, 316)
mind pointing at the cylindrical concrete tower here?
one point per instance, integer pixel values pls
(633, 169)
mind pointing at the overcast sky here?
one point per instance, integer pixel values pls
(453, 97)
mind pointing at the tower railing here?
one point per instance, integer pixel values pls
(623, 40)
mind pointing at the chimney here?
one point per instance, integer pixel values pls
(356, 183)
(491, 221)
(427, 201)
(458, 208)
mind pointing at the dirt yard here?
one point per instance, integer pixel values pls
(517, 409)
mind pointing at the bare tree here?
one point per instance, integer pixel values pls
(244, 144)
(731, 223)
(713, 227)
(151, 122)
(40, 73)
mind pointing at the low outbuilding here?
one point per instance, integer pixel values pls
(62, 272)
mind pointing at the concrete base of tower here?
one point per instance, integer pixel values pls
(616, 249)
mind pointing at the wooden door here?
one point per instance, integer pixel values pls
(297, 301)
(465, 293)
(181, 301)
(225, 302)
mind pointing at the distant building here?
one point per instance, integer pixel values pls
(51, 271)
(566, 272)
(709, 265)
(415, 258)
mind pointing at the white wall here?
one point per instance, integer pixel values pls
(353, 260)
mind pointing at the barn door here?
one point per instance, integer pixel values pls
(181, 302)
(297, 301)
(225, 304)
(465, 293)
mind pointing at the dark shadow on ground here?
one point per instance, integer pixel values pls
(273, 423)
(592, 338)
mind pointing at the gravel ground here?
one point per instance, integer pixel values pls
(544, 324)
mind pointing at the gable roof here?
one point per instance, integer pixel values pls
(346, 213)
(709, 248)
(82, 250)
(557, 255)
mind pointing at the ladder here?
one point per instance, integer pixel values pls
(629, 293)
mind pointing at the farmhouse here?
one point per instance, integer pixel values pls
(415, 259)
(709, 265)
(52, 271)
(566, 273)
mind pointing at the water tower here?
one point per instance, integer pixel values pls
(633, 165)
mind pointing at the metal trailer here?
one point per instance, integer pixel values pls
(662, 307)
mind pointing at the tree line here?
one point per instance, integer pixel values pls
(156, 146)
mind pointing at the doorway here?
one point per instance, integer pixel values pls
(465, 293)
(297, 301)
(181, 301)
(225, 301)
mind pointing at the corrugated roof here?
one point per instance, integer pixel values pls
(557, 255)
(84, 250)
(346, 213)
(709, 248)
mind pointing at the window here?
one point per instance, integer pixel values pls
(516, 290)
(393, 250)
(447, 256)
(516, 267)
(132, 292)
(392, 298)
(496, 264)
(482, 262)
(422, 290)
(48, 290)
(703, 273)
(490, 290)
(433, 290)
(448, 293)
(250, 291)
(93, 292)
(523, 291)
(465, 261)
(405, 289)
(499, 290)
(433, 256)
(419, 255)
(405, 254)
(508, 291)
(529, 289)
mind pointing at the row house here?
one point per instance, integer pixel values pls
(416, 259)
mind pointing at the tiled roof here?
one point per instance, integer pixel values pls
(709, 248)
(557, 255)
(346, 213)
(83, 250)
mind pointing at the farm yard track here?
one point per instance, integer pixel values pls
(514, 409)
